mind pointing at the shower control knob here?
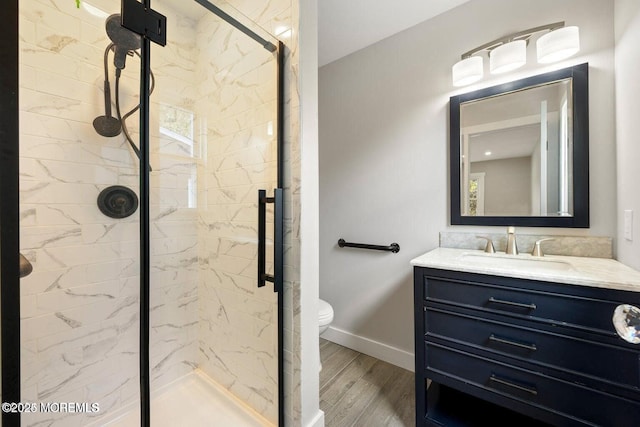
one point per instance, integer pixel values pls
(117, 201)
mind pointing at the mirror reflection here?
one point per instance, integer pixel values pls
(516, 153)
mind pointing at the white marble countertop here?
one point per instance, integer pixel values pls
(596, 272)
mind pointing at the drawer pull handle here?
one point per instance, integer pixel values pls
(530, 306)
(513, 385)
(531, 347)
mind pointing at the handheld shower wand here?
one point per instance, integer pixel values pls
(107, 125)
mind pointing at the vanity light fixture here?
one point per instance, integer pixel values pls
(467, 71)
(508, 57)
(510, 52)
(557, 45)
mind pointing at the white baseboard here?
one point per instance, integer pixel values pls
(379, 350)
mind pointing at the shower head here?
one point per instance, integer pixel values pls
(107, 125)
(123, 39)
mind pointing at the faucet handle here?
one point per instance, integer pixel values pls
(537, 248)
(489, 247)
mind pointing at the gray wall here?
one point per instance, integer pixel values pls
(507, 186)
(627, 18)
(384, 152)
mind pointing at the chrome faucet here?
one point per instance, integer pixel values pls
(512, 247)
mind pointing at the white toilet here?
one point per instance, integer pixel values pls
(325, 317)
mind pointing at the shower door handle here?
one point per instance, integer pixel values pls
(278, 239)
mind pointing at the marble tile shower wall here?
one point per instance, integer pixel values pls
(80, 305)
(175, 157)
(281, 17)
(238, 321)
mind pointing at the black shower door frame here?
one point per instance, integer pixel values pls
(10, 211)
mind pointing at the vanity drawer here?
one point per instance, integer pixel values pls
(611, 363)
(502, 384)
(590, 314)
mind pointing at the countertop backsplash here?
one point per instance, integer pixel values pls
(582, 246)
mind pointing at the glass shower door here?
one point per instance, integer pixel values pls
(213, 146)
(80, 305)
(214, 329)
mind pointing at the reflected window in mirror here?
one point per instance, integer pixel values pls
(519, 152)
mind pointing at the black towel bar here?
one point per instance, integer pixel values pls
(394, 247)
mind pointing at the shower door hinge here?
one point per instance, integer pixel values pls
(146, 22)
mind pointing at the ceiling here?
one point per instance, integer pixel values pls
(494, 123)
(345, 26)
(499, 144)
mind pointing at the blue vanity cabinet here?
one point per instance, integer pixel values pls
(499, 350)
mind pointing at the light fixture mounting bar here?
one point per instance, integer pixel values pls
(521, 35)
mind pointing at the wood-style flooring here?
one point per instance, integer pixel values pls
(360, 390)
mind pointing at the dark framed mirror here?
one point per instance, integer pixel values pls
(519, 152)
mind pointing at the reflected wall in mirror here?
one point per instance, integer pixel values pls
(516, 153)
(519, 152)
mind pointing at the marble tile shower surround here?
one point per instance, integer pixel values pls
(276, 17)
(582, 246)
(80, 306)
(237, 321)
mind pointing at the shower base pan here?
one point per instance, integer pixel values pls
(194, 400)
